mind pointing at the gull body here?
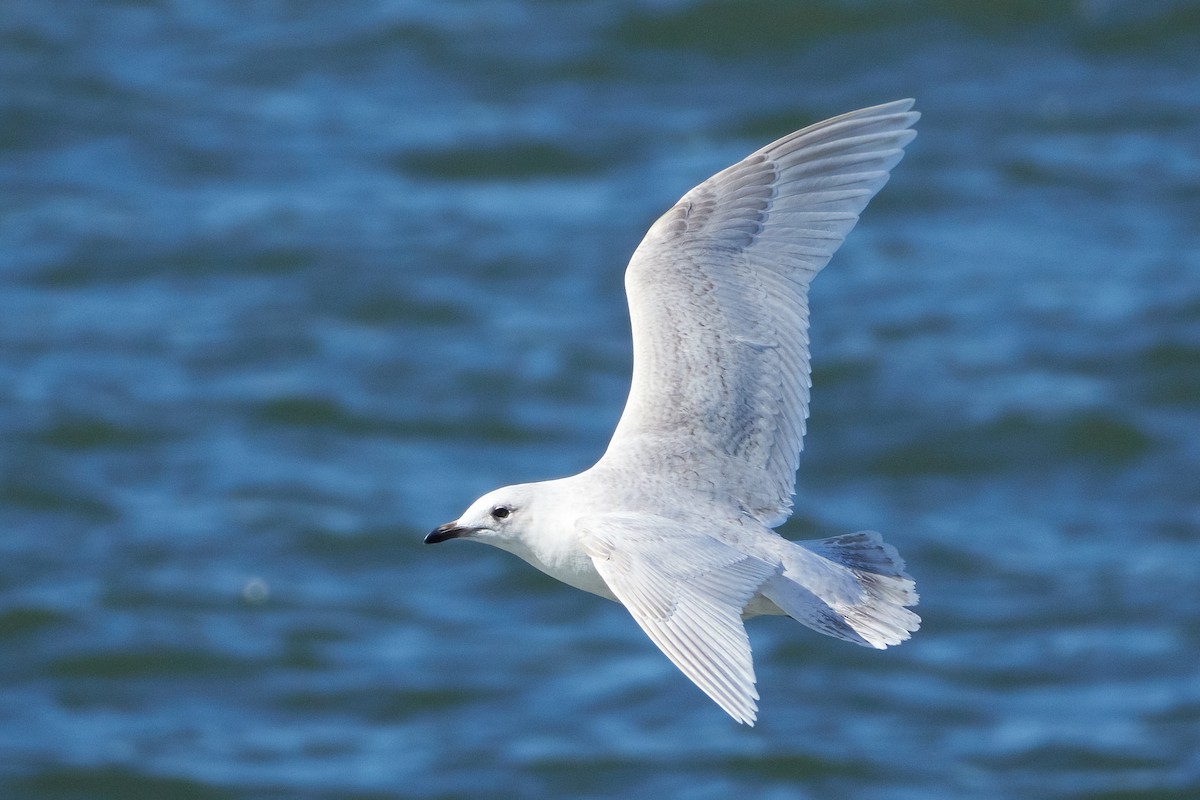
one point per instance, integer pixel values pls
(676, 520)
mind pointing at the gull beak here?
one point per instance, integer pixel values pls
(451, 530)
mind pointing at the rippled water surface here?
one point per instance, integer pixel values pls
(284, 285)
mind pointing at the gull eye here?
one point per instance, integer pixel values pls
(501, 512)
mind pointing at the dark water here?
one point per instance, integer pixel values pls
(285, 284)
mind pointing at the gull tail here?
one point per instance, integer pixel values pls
(853, 587)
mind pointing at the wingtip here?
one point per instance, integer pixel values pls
(903, 104)
(743, 710)
(746, 716)
(902, 108)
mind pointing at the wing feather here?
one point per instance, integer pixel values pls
(718, 304)
(686, 591)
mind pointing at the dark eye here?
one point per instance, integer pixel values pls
(500, 512)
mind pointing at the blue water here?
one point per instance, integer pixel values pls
(285, 285)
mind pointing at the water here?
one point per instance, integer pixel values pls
(284, 285)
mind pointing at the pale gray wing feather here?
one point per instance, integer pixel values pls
(687, 592)
(719, 309)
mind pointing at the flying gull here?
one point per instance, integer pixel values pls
(675, 521)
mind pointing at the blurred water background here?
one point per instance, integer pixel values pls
(283, 285)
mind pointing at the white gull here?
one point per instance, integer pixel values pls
(675, 520)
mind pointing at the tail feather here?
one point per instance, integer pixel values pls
(853, 587)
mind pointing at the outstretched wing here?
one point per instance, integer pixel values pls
(718, 300)
(687, 592)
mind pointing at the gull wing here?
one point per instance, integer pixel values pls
(718, 301)
(687, 592)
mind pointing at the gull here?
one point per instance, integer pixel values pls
(676, 520)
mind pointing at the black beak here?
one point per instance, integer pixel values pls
(443, 532)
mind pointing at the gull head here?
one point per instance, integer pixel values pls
(498, 518)
(537, 522)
